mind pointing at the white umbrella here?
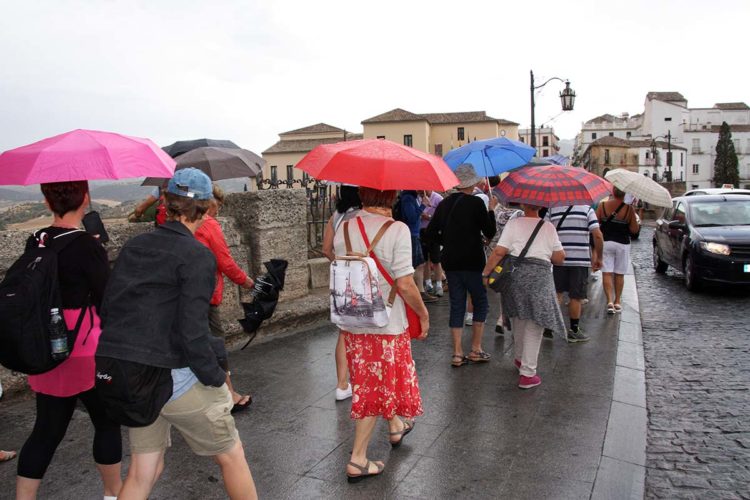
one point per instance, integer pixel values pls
(640, 186)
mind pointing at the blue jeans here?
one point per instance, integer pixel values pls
(459, 283)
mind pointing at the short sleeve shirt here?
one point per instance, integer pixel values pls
(517, 232)
(574, 232)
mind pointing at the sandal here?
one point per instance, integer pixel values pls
(457, 360)
(479, 356)
(618, 308)
(10, 455)
(364, 472)
(408, 426)
(610, 308)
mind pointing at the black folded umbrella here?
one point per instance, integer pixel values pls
(265, 297)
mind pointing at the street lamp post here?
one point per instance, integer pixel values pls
(668, 137)
(567, 98)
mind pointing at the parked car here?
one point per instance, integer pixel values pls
(707, 238)
(694, 192)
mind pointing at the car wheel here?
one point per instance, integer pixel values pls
(659, 265)
(692, 281)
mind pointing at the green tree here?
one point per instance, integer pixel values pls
(726, 166)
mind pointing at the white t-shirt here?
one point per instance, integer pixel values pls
(394, 252)
(517, 232)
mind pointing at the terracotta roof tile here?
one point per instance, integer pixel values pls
(299, 145)
(731, 105)
(395, 115)
(401, 115)
(319, 128)
(665, 96)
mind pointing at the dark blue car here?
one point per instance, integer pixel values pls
(707, 238)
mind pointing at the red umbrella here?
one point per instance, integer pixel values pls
(378, 164)
(553, 186)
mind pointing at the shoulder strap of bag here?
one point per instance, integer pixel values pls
(612, 215)
(559, 223)
(370, 246)
(531, 239)
(386, 275)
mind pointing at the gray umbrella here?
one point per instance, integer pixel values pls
(181, 147)
(218, 164)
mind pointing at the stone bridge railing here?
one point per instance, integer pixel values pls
(257, 226)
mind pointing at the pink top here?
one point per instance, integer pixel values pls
(76, 374)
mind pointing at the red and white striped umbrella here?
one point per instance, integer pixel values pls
(553, 186)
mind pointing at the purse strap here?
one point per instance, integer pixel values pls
(531, 239)
(612, 215)
(559, 223)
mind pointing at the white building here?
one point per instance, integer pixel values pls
(546, 140)
(701, 133)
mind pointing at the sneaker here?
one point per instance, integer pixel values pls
(547, 334)
(439, 289)
(428, 289)
(427, 298)
(342, 394)
(499, 330)
(469, 319)
(525, 382)
(576, 336)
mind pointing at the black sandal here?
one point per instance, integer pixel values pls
(364, 471)
(408, 427)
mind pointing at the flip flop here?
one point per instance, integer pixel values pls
(618, 308)
(10, 455)
(457, 361)
(610, 308)
(364, 471)
(479, 356)
(238, 407)
(408, 427)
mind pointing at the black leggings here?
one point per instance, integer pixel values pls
(53, 415)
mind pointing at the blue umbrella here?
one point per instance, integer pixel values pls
(561, 160)
(491, 156)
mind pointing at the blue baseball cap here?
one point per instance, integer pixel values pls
(191, 183)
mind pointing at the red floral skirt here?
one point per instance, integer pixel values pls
(383, 377)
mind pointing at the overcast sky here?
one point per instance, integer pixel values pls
(245, 70)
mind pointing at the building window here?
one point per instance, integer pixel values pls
(668, 119)
(611, 134)
(648, 155)
(606, 156)
(545, 141)
(290, 172)
(545, 153)
(628, 134)
(407, 140)
(681, 159)
(438, 150)
(696, 145)
(460, 133)
(274, 174)
(696, 168)
(381, 137)
(593, 136)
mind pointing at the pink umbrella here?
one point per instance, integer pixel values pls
(84, 155)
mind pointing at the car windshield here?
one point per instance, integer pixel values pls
(721, 213)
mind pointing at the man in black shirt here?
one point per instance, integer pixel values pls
(459, 223)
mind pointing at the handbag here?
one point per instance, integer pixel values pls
(93, 224)
(414, 324)
(497, 280)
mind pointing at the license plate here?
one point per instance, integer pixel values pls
(747, 268)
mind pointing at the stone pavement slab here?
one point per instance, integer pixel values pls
(480, 436)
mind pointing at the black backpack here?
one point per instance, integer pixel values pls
(28, 292)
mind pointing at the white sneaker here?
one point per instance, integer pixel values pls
(342, 394)
(439, 289)
(469, 319)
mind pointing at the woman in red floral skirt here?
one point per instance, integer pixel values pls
(383, 377)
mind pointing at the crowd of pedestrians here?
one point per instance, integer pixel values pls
(160, 306)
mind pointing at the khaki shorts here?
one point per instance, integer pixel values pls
(202, 415)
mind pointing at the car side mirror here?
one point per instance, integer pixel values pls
(675, 224)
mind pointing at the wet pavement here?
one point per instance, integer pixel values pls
(480, 436)
(697, 351)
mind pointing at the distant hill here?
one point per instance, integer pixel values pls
(10, 194)
(120, 192)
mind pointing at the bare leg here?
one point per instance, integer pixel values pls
(362, 434)
(619, 283)
(145, 469)
(607, 285)
(238, 480)
(458, 349)
(419, 277)
(26, 488)
(112, 478)
(477, 329)
(342, 370)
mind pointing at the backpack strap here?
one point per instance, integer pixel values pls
(370, 246)
(383, 271)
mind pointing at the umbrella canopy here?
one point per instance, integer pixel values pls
(558, 160)
(491, 156)
(217, 163)
(84, 155)
(378, 164)
(553, 186)
(640, 186)
(181, 147)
